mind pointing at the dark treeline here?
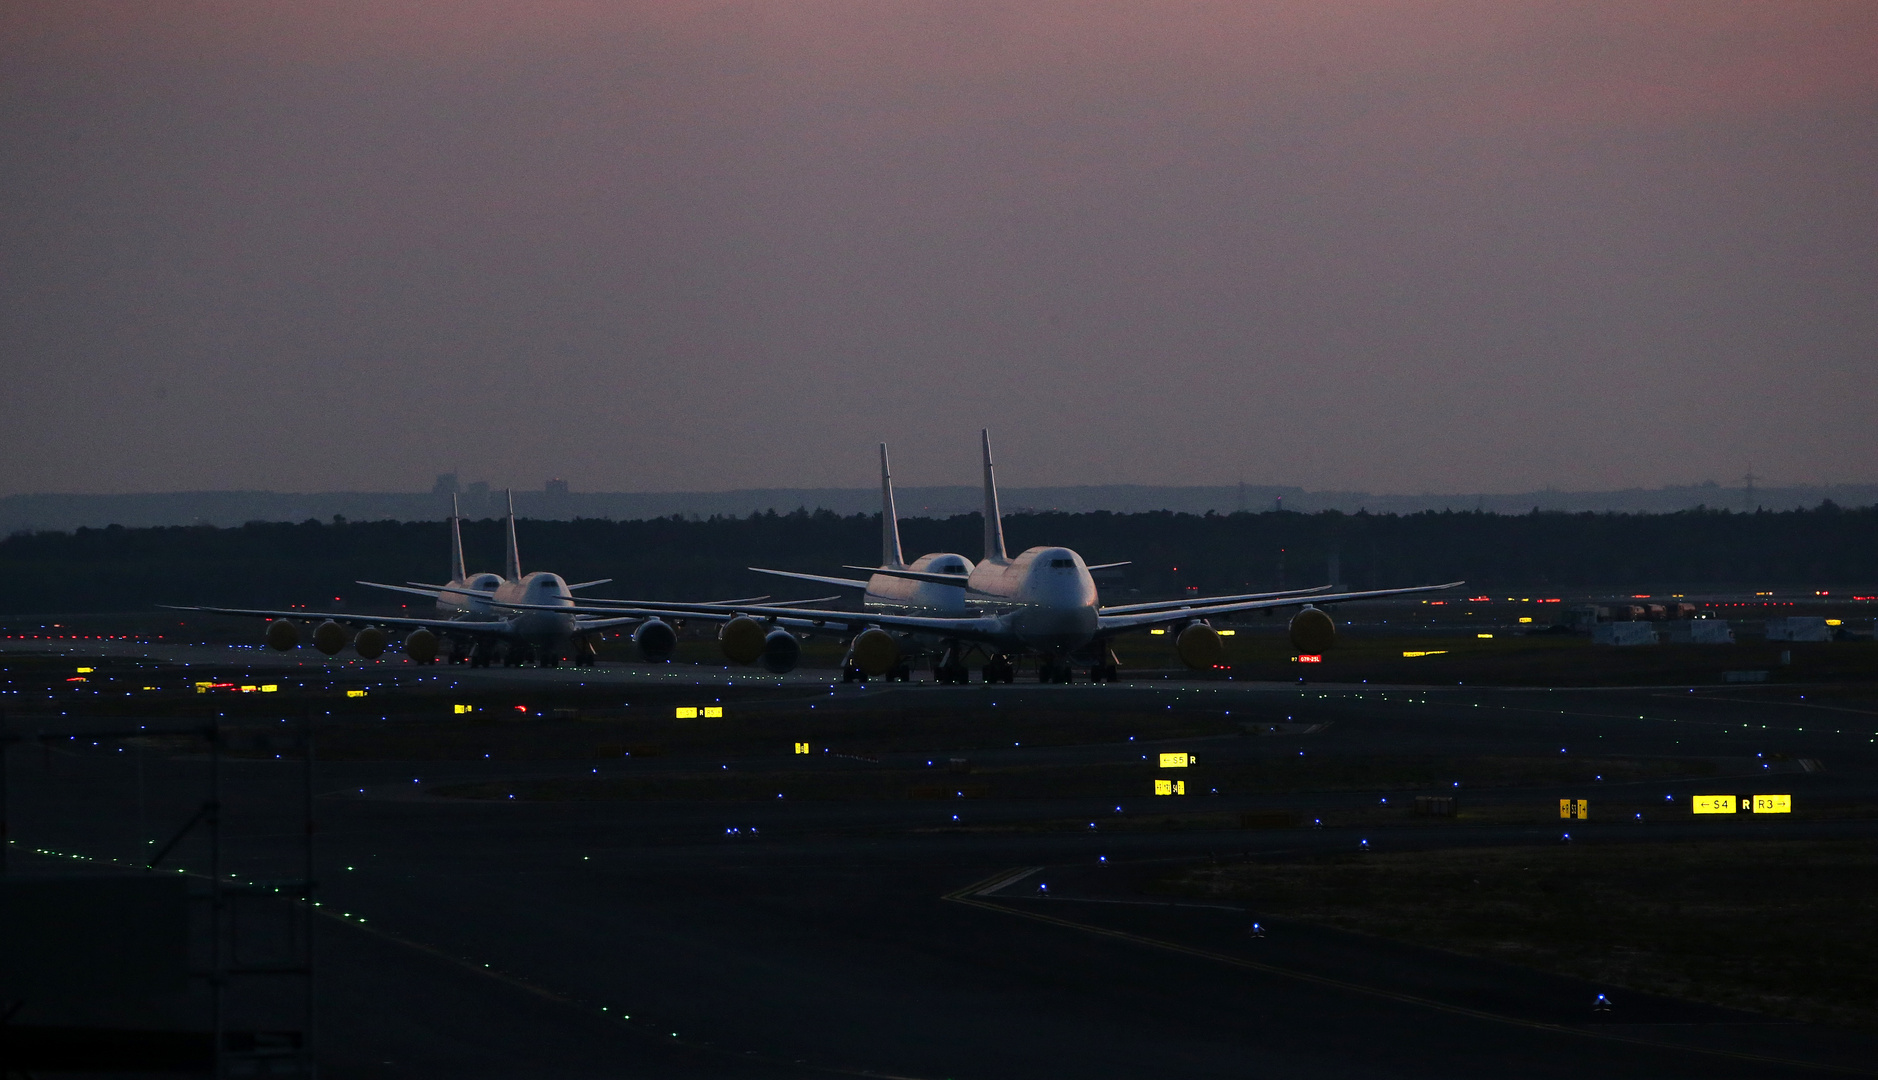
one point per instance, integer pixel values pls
(272, 564)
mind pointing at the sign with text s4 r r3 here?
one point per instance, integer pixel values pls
(1714, 804)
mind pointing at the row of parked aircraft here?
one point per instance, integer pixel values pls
(943, 607)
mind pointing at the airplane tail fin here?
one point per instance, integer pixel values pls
(512, 563)
(994, 523)
(890, 555)
(458, 572)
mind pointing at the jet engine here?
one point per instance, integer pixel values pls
(874, 651)
(655, 639)
(742, 639)
(1198, 646)
(420, 645)
(329, 637)
(282, 635)
(1312, 631)
(781, 651)
(370, 644)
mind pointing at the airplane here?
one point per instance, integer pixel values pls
(1041, 603)
(885, 591)
(467, 595)
(879, 591)
(470, 599)
(478, 610)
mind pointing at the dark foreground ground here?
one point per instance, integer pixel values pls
(611, 892)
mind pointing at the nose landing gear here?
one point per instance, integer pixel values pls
(999, 670)
(950, 667)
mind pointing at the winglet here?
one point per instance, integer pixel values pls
(512, 566)
(890, 555)
(994, 523)
(458, 572)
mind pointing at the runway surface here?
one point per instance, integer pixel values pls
(501, 937)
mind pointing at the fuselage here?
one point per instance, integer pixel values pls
(1045, 596)
(924, 597)
(458, 605)
(537, 589)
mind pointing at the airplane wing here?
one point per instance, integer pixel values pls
(1110, 623)
(846, 583)
(988, 629)
(601, 603)
(581, 625)
(1169, 605)
(454, 626)
(589, 584)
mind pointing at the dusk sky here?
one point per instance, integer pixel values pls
(1395, 247)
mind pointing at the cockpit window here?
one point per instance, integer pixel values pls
(952, 568)
(1062, 564)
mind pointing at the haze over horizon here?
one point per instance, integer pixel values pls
(1437, 247)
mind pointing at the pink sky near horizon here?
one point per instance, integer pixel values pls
(1383, 246)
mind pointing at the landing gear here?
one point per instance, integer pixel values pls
(900, 673)
(585, 655)
(950, 667)
(1000, 670)
(850, 673)
(1101, 673)
(1055, 671)
(479, 655)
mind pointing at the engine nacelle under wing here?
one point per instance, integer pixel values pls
(1199, 647)
(742, 639)
(656, 640)
(282, 635)
(781, 651)
(329, 637)
(420, 645)
(370, 644)
(1312, 631)
(874, 651)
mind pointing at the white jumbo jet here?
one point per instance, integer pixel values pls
(1042, 603)
(483, 611)
(884, 589)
